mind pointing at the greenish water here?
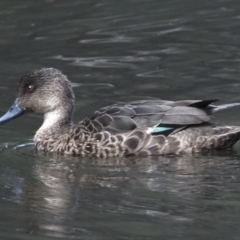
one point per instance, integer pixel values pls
(120, 51)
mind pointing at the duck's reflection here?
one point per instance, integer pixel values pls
(72, 196)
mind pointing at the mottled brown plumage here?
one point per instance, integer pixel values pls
(142, 128)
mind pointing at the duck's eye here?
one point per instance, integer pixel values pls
(29, 88)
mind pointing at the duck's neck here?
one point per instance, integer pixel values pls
(55, 123)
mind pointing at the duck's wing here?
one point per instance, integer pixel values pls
(153, 116)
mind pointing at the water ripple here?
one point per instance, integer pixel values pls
(114, 39)
(155, 73)
(169, 50)
(106, 62)
(173, 30)
(92, 85)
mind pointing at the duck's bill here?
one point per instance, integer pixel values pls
(14, 112)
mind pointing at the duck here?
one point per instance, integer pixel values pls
(138, 128)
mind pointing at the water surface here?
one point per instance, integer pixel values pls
(120, 51)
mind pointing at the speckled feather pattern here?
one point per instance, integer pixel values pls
(80, 142)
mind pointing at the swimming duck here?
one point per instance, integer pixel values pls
(141, 128)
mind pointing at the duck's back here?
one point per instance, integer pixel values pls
(150, 115)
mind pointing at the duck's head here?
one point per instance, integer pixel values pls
(43, 91)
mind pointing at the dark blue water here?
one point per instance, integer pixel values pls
(120, 51)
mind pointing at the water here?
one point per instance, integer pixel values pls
(120, 51)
